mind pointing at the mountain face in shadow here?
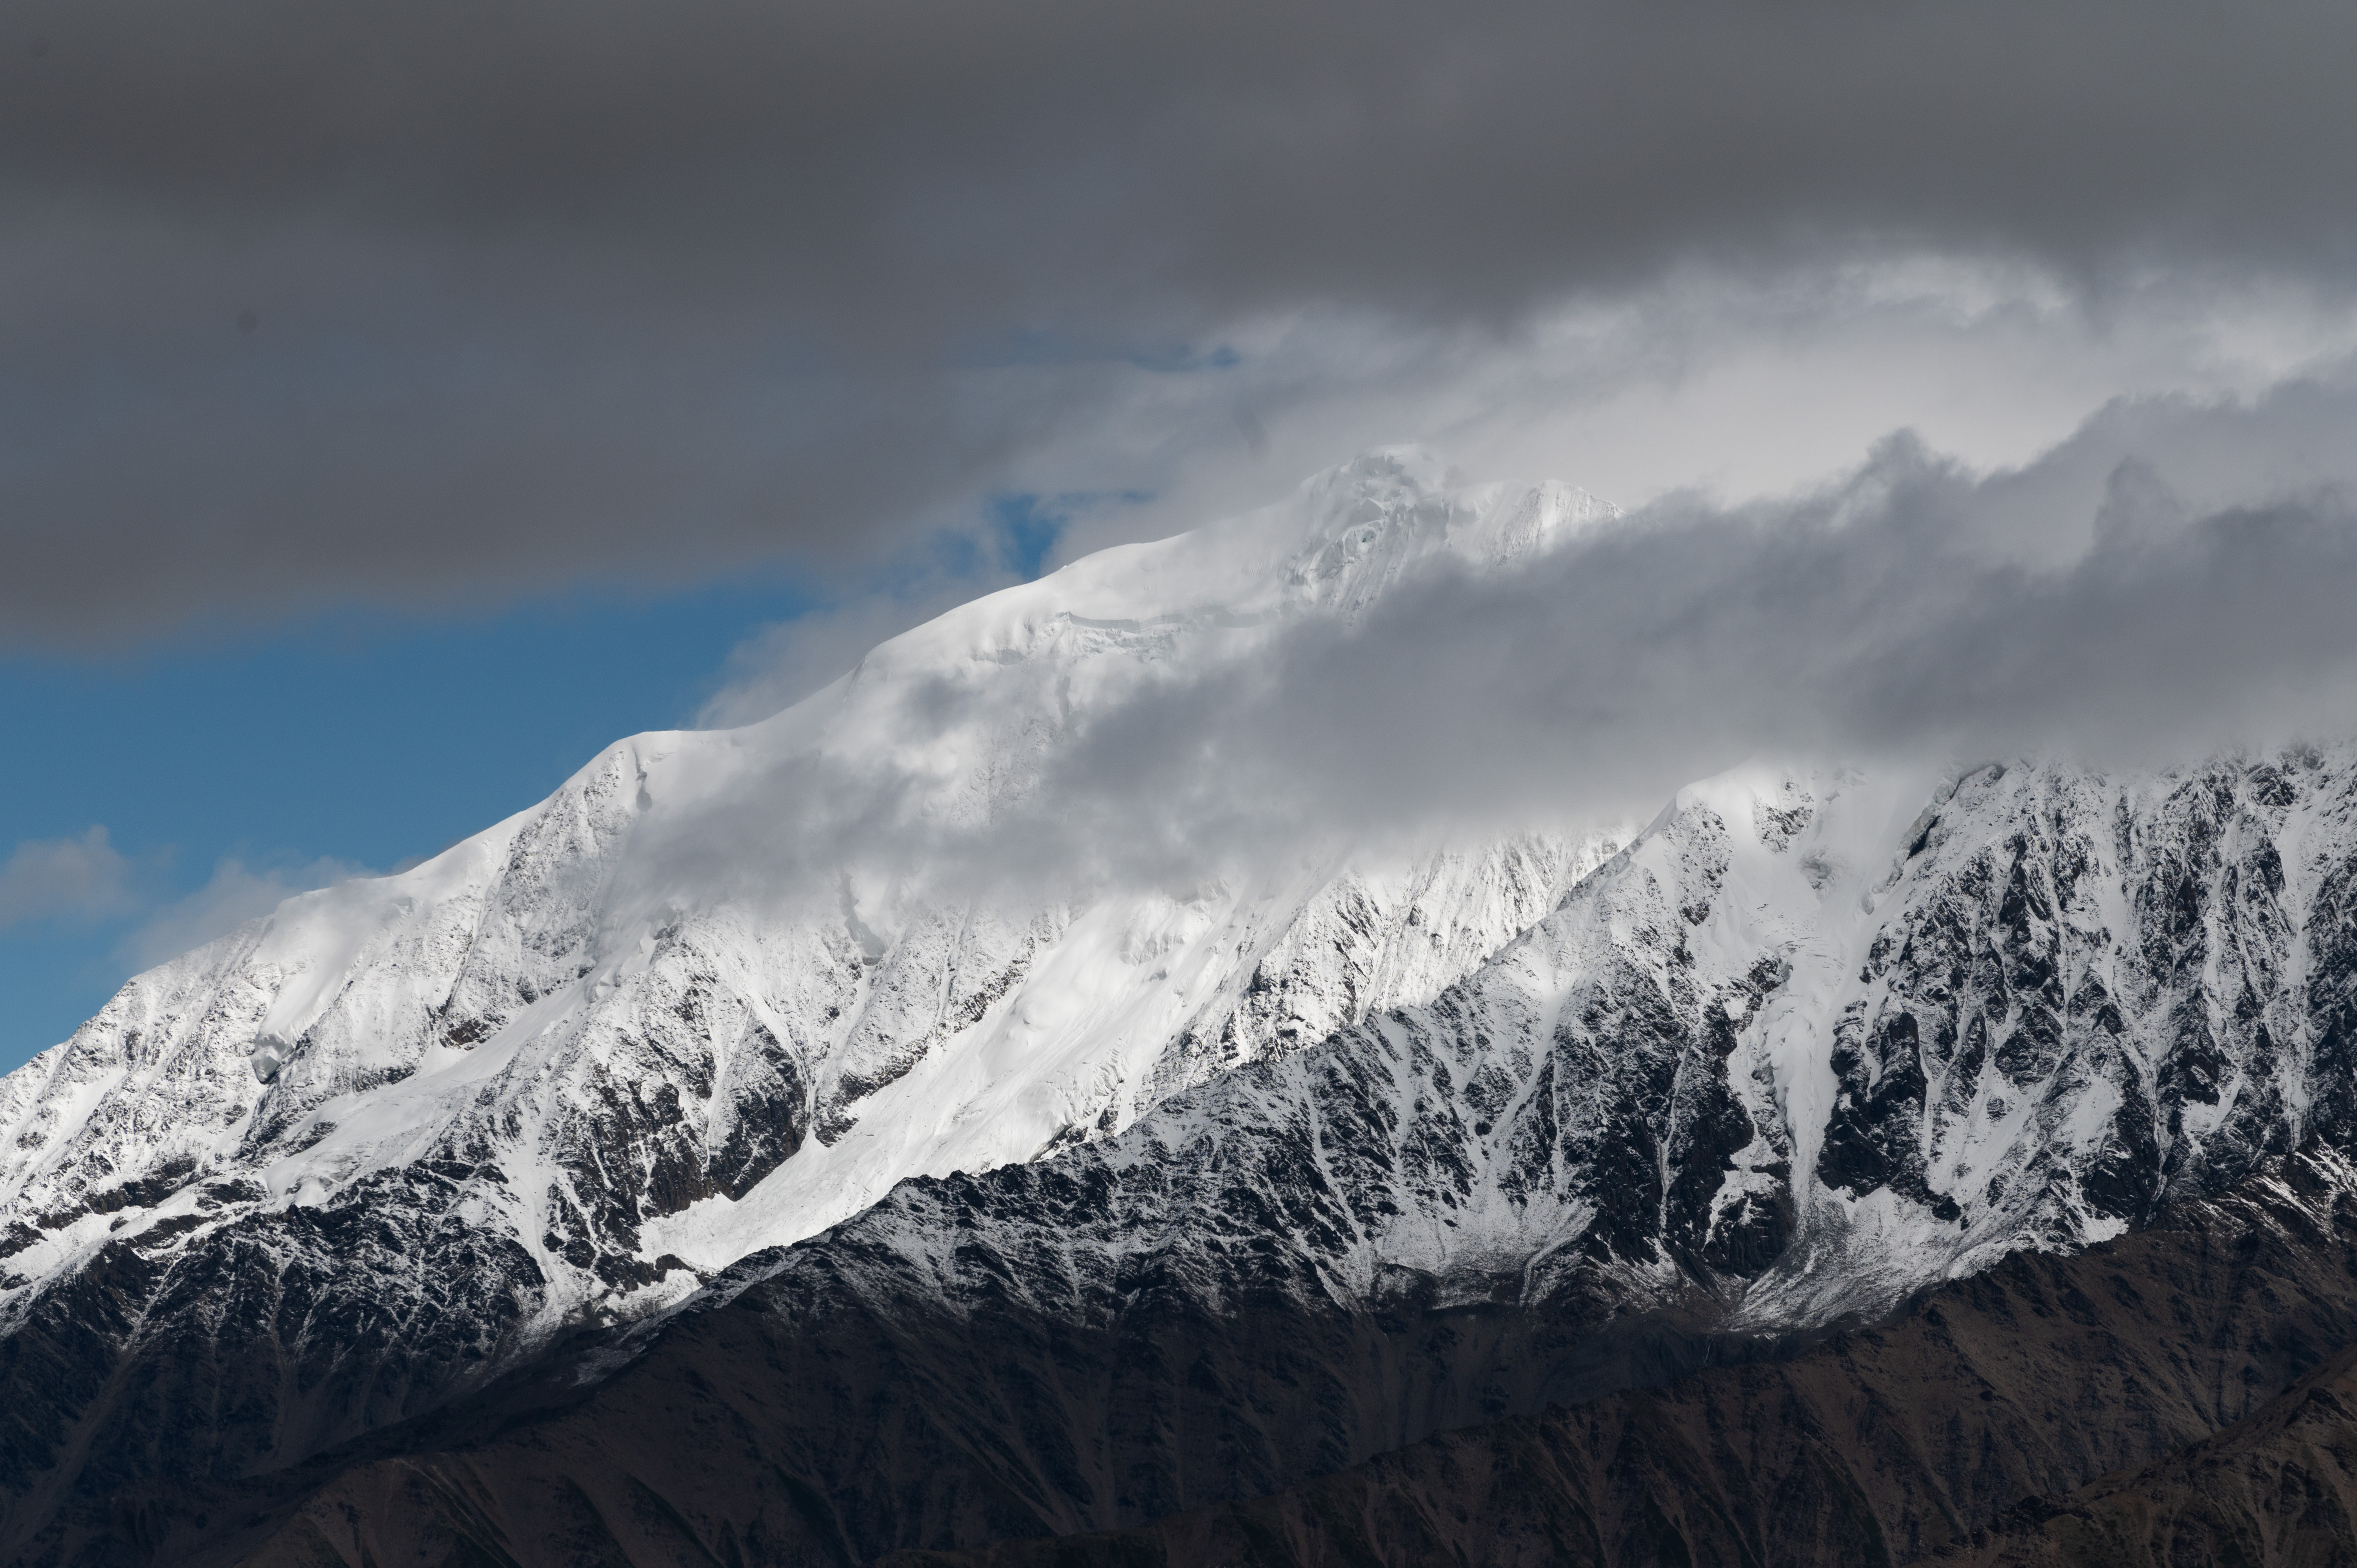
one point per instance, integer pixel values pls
(2184, 1395)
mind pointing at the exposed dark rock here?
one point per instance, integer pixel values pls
(1942, 1434)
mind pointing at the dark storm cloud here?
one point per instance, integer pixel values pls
(307, 302)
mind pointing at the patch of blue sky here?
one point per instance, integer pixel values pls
(364, 738)
(1026, 528)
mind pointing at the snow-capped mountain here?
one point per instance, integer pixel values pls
(1810, 1042)
(679, 1011)
(1813, 1039)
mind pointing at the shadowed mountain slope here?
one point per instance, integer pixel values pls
(2220, 1337)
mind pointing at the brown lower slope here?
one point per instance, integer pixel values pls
(739, 1441)
(1928, 1436)
(2278, 1489)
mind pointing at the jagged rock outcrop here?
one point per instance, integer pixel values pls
(1965, 1432)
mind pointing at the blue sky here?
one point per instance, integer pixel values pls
(363, 738)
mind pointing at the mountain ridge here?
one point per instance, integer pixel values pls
(1967, 1430)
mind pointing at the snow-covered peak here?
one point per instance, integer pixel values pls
(1335, 544)
(671, 983)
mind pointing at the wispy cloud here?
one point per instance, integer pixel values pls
(1912, 612)
(783, 662)
(85, 881)
(235, 893)
(76, 880)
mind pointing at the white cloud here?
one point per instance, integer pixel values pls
(234, 894)
(78, 879)
(1734, 384)
(1735, 387)
(787, 660)
(2171, 579)
(87, 880)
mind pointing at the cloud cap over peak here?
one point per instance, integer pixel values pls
(2091, 610)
